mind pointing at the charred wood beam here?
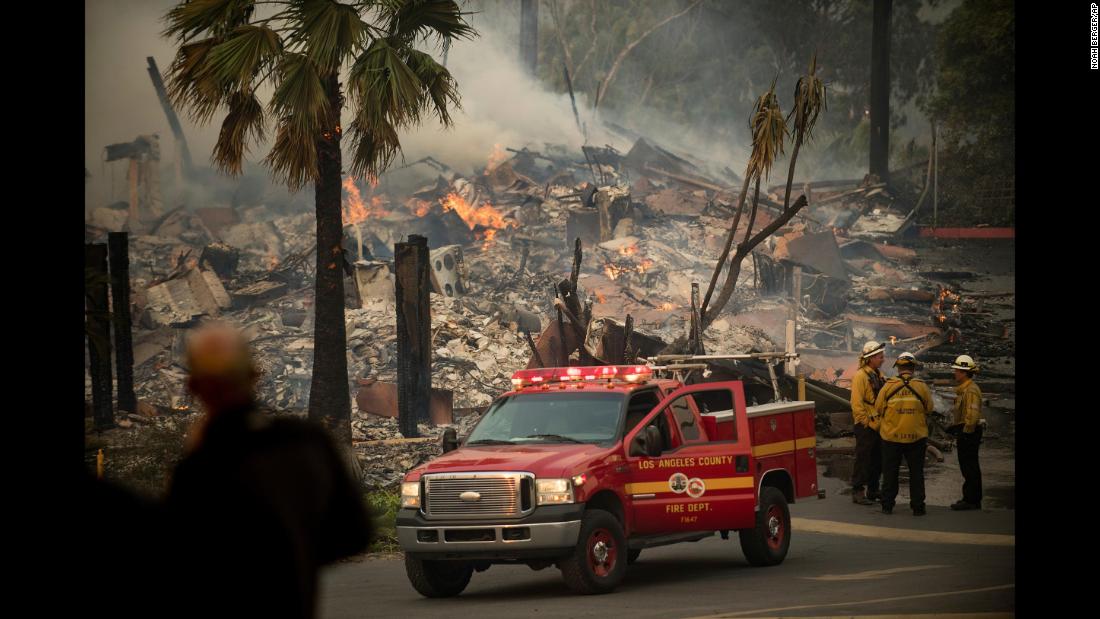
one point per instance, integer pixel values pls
(414, 379)
(629, 353)
(173, 120)
(534, 349)
(98, 331)
(119, 257)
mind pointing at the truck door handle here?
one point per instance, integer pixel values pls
(742, 464)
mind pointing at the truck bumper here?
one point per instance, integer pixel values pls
(553, 528)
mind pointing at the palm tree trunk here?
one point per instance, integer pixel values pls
(330, 395)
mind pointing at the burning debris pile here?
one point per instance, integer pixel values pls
(513, 289)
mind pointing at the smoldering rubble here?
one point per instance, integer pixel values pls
(506, 265)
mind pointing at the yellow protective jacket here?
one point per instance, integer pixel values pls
(968, 406)
(865, 387)
(901, 409)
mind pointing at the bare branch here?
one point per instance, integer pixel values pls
(602, 92)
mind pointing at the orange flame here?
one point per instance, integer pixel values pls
(484, 215)
(496, 157)
(613, 271)
(600, 298)
(355, 211)
(668, 306)
(629, 250)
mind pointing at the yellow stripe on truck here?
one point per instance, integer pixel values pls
(718, 483)
(771, 449)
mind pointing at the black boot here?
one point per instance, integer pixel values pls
(919, 510)
(859, 498)
(887, 508)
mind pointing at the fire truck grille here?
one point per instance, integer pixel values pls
(496, 496)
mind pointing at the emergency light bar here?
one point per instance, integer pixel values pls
(542, 376)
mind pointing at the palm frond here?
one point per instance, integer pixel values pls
(190, 85)
(302, 106)
(809, 101)
(381, 79)
(769, 131)
(235, 62)
(327, 31)
(216, 17)
(293, 156)
(440, 88)
(415, 19)
(244, 122)
(300, 96)
(374, 144)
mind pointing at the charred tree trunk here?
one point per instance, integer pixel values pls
(880, 90)
(118, 248)
(330, 391)
(529, 35)
(414, 326)
(98, 326)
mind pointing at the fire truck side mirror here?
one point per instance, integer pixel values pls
(652, 441)
(450, 440)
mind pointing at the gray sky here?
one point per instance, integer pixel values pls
(119, 100)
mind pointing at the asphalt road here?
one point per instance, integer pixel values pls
(844, 560)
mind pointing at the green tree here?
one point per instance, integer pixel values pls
(974, 105)
(706, 68)
(298, 51)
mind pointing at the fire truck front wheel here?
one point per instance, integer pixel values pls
(438, 579)
(598, 562)
(767, 542)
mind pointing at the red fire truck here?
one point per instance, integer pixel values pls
(584, 467)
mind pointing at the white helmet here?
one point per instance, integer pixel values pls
(964, 362)
(905, 358)
(872, 348)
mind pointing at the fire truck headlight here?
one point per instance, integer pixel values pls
(554, 491)
(410, 494)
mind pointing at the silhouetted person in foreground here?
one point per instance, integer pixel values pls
(262, 502)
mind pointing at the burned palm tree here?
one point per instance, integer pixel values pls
(300, 51)
(769, 134)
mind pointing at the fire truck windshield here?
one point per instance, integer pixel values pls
(550, 418)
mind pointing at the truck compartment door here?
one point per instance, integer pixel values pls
(697, 485)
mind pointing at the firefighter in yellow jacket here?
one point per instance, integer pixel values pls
(900, 415)
(866, 384)
(968, 426)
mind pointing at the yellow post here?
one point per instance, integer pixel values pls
(801, 388)
(99, 464)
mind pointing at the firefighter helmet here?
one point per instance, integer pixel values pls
(905, 358)
(872, 348)
(964, 362)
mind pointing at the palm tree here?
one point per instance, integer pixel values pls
(298, 52)
(769, 130)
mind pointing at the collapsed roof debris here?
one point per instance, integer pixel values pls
(512, 289)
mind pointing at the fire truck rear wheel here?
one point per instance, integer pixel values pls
(767, 543)
(598, 562)
(438, 579)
